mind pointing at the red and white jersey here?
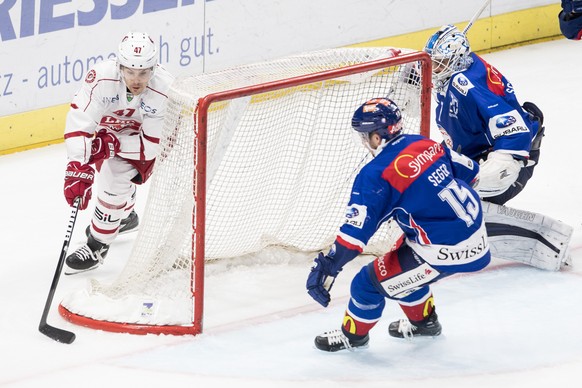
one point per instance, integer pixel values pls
(103, 102)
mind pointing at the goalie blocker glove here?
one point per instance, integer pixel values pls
(497, 174)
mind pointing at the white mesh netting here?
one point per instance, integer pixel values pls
(280, 166)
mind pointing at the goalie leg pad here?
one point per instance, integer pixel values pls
(527, 237)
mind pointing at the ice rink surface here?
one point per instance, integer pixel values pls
(507, 326)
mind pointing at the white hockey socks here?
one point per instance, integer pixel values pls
(527, 237)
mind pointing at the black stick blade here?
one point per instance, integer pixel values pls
(59, 335)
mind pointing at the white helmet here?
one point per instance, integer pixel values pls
(449, 50)
(137, 51)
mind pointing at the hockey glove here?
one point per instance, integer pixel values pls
(104, 146)
(410, 77)
(497, 174)
(78, 181)
(410, 74)
(320, 279)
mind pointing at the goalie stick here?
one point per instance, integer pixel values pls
(476, 16)
(55, 333)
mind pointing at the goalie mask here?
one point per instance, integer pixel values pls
(380, 115)
(449, 50)
(137, 51)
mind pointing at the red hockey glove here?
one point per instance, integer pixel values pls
(104, 146)
(78, 181)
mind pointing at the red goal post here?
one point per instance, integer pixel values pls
(251, 157)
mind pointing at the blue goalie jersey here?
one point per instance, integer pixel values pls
(479, 113)
(424, 187)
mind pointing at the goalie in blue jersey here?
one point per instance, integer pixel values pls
(479, 116)
(426, 189)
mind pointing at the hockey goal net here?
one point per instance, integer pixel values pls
(251, 157)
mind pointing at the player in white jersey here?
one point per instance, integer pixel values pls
(114, 127)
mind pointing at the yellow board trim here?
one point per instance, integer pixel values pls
(493, 33)
(43, 127)
(28, 130)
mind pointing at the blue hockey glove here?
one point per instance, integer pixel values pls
(323, 267)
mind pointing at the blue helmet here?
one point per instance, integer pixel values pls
(378, 115)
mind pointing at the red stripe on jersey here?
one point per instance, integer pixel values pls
(157, 91)
(411, 162)
(348, 245)
(93, 88)
(494, 79)
(77, 133)
(422, 235)
(151, 139)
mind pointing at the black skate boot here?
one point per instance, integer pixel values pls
(336, 340)
(128, 224)
(88, 257)
(404, 328)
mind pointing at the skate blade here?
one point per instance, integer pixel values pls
(70, 271)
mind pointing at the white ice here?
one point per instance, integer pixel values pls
(507, 326)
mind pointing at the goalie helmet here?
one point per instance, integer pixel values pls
(449, 50)
(379, 115)
(137, 51)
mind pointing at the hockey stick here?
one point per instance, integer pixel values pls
(55, 333)
(476, 16)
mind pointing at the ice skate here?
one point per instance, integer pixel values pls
(89, 256)
(336, 340)
(407, 329)
(128, 224)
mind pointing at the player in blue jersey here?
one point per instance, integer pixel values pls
(570, 18)
(479, 116)
(426, 189)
